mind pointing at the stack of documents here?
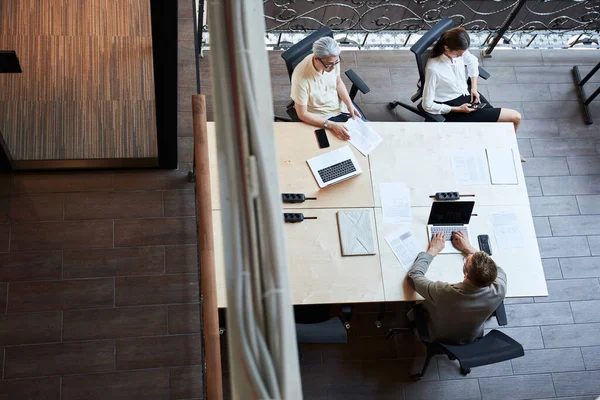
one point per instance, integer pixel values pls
(502, 166)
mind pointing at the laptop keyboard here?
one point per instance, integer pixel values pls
(336, 171)
(448, 229)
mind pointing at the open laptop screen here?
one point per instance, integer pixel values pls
(451, 212)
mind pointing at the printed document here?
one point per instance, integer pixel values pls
(395, 202)
(469, 167)
(502, 166)
(405, 247)
(506, 230)
(362, 136)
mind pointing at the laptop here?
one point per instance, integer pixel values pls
(334, 166)
(448, 217)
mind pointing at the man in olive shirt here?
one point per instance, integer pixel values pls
(458, 311)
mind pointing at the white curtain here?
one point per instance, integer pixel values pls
(263, 355)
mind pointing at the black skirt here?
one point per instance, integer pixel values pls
(485, 114)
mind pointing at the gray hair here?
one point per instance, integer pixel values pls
(326, 47)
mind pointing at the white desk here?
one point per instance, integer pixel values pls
(522, 265)
(417, 154)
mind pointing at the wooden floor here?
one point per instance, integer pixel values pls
(87, 87)
(561, 332)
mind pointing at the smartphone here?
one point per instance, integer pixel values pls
(322, 138)
(484, 244)
(478, 106)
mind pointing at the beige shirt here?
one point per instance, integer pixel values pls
(315, 90)
(457, 311)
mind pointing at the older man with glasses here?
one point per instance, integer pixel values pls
(457, 312)
(320, 96)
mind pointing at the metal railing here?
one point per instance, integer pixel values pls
(392, 23)
(417, 15)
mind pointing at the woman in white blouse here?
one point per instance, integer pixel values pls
(445, 90)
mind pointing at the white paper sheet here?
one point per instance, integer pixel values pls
(469, 167)
(405, 247)
(362, 136)
(395, 202)
(506, 230)
(501, 163)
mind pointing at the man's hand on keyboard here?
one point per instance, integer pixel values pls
(436, 244)
(461, 242)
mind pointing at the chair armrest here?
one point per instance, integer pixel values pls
(290, 109)
(418, 94)
(357, 84)
(435, 118)
(500, 314)
(483, 74)
(357, 81)
(430, 117)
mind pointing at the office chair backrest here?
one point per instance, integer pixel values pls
(297, 52)
(421, 48)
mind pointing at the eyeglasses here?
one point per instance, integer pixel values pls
(327, 66)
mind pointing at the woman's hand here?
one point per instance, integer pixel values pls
(475, 96)
(465, 108)
(339, 130)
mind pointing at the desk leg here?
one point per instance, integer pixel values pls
(380, 315)
(346, 315)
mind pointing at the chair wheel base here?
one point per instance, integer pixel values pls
(392, 105)
(416, 377)
(393, 331)
(465, 371)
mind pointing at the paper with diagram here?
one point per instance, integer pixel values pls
(469, 167)
(395, 202)
(506, 230)
(405, 247)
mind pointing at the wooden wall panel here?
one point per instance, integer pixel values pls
(87, 87)
(76, 17)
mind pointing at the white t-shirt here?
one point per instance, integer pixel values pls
(445, 80)
(316, 90)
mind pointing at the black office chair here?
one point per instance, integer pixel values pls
(314, 324)
(300, 50)
(489, 349)
(421, 51)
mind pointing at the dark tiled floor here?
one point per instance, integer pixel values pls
(560, 333)
(98, 282)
